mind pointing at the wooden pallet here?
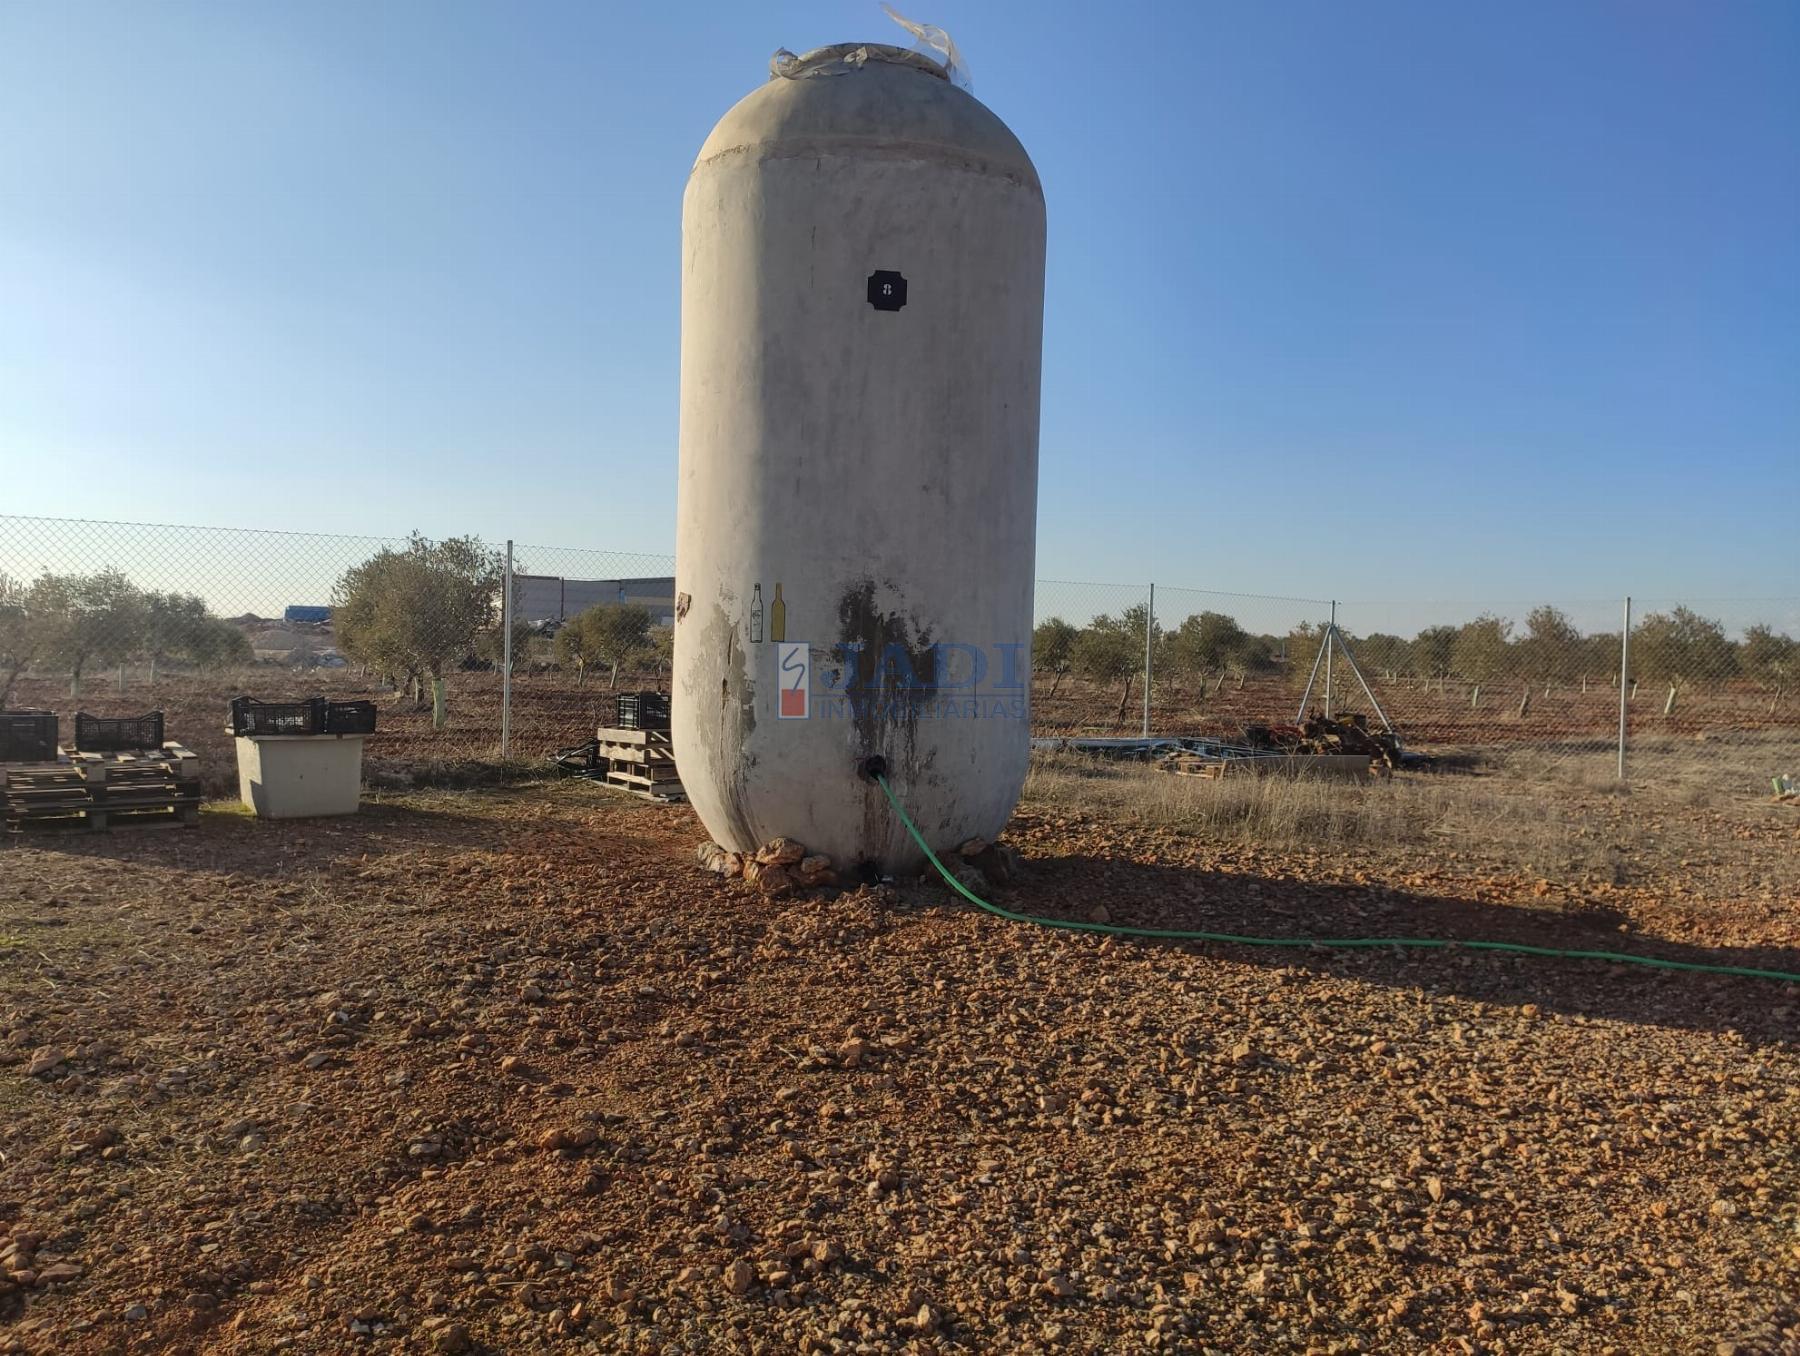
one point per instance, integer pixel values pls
(100, 791)
(46, 793)
(639, 761)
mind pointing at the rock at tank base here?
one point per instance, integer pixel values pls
(780, 868)
(777, 882)
(781, 852)
(1000, 863)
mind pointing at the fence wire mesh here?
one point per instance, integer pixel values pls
(1088, 657)
(122, 618)
(1529, 681)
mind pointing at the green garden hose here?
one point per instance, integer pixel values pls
(1235, 939)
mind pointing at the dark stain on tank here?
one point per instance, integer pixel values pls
(890, 671)
(733, 720)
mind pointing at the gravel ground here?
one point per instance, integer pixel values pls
(506, 1072)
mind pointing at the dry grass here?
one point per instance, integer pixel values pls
(1507, 820)
(1682, 769)
(1277, 809)
(1689, 808)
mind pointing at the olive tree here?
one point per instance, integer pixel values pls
(1204, 642)
(1681, 646)
(1431, 651)
(1304, 642)
(1385, 653)
(1768, 656)
(662, 647)
(180, 626)
(86, 619)
(609, 634)
(215, 643)
(1051, 643)
(1552, 646)
(490, 645)
(22, 633)
(413, 612)
(1482, 650)
(1110, 649)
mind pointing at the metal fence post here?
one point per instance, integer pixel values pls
(506, 656)
(1330, 635)
(1149, 631)
(1624, 681)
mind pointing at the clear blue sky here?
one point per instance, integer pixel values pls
(1383, 300)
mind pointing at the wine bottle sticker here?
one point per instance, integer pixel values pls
(777, 616)
(756, 614)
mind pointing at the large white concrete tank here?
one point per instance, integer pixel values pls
(861, 335)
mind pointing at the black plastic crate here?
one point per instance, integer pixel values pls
(251, 717)
(118, 734)
(27, 736)
(641, 711)
(349, 717)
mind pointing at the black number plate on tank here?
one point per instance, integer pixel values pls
(887, 290)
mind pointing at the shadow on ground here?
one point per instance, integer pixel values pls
(1187, 898)
(231, 840)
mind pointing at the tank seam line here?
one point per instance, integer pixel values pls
(924, 150)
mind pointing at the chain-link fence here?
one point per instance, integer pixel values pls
(118, 619)
(1535, 683)
(1551, 683)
